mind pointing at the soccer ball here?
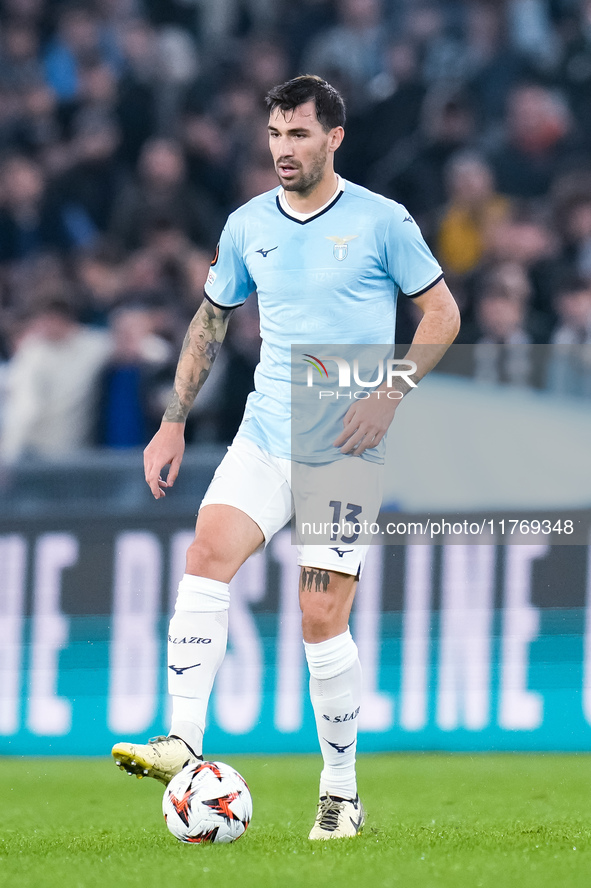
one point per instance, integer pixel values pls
(207, 802)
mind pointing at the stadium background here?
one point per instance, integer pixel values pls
(128, 131)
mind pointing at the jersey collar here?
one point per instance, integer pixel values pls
(303, 218)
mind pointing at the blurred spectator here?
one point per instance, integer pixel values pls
(527, 238)
(573, 310)
(572, 204)
(79, 39)
(20, 64)
(178, 66)
(29, 221)
(32, 12)
(35, 280)
(351, 51)
(220, 19)
(52, 384)
(575, 69)
(140, 365)
(473, 208)
(569, 370)
(208, 154)
(38, 130)
(503, 352)
(531, 31)
(494, 66)
(137, 106)
(10, 116)
(300, 21)
(96, 99)
(161, 194)
(86, 192)
(391, 116)
(181, 267)
(240, 114)
(264, 63)
(537, 145)
(101, 276)
(442, 56)
(413, 172)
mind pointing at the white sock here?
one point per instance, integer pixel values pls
(335, 691)
(197, 639)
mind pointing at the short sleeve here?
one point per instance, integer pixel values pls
(228, 283)
(409, 261)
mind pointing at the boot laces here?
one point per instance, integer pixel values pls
(328, 812)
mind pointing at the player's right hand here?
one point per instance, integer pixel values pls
(165, 449)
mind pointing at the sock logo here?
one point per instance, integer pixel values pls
(189, 639)
(178, 670)
(339, 719)
(336, 746)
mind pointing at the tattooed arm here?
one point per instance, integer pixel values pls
(200, 347)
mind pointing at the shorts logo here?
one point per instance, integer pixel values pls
(341, 250)
(340, 552)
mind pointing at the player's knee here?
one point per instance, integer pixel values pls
(321, 618)
(204, 556)
(316, 629)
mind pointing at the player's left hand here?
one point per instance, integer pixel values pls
(365, 423)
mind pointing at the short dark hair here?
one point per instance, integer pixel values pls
(330, 107)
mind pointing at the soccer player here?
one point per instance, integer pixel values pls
(327, 259)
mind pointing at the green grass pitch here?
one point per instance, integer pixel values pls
(434, 821)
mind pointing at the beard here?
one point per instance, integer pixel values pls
(307, 181)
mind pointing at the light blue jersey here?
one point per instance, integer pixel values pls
(331, 278)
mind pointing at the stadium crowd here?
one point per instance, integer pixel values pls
(129, 129)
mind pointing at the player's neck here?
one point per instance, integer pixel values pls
(308, 203)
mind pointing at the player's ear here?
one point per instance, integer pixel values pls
(335, 137)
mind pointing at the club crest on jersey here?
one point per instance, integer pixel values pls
(341, 249)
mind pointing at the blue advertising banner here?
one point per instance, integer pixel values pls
(464, 647)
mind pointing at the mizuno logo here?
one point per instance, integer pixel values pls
(178, 670)
(357, 824)
(336, 746)
(408, 219)
(265, 253)
(340, 552)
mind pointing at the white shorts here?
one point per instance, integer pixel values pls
(324, 498)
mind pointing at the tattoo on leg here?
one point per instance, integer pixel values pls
(317, 578)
